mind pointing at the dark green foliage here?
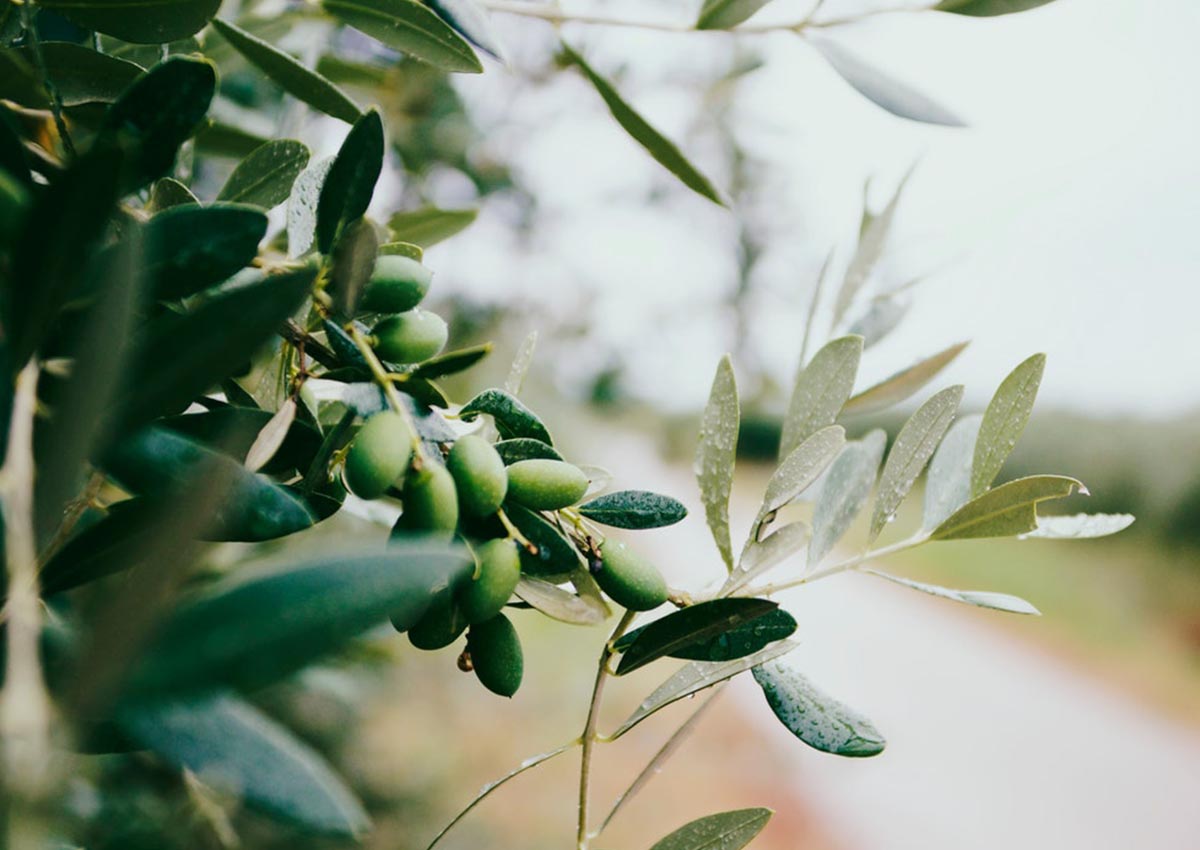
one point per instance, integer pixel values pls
(513, 419)
(350, 182)
(634, 509)
(720, 630)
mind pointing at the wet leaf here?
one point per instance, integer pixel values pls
(560, 604)
(724, 831)
(1007, 510)
(760, 556)
(903, 384)
(914, 446)
(555, 556)
(524, 448)
(948, 485)
(429, 225)
(845, 493)
(302, 207)
(1079, 526)
(814, 717)
(352, 263)
(410, 27)
(513, 419)
(138, 21)
(716, 453)
(190, 248)
(691, 630)
(655, 143)
(802, 467)
(452, 362)
(232, 745)
(80, 74)
(350, 182)
(634, 509)
(741, 640)
(265, 178)
(821, 388)
(1004, 420)
(978, 598)
(290, 74)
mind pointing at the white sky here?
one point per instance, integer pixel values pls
(1063, 216)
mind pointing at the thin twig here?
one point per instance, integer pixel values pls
(56, 102)
(840, 567)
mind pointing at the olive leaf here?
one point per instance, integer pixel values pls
(896, 97)
(1079, 526)
(914, 446)
(1007, 510)
(80, 75)
(265, 178)
(227, 741)
(978, 598)
(233, 430)
(801, 468)
(821, 389)
(138, 21)
(403, 249)
(289, 74)
(814, 717)
(520, 365)
(759, 556)
(302, 207)
(524, 448)
(736, 641)
(513, 419)
(429, 225)
(410, 27)
(350, 182)
(351, 264)
(948, 485)
(452, 362)
(724, 831)
(560, 604)
(692, 630)
(167, 193)
(655, 143)
(716, 452)
(634, 509)
(190, 248)
(555, 556)
(471, 20)
(988, 8)
(883, 314)
(727, 14)
(903, 384)
(1004, 421)
(272, 436)
(845, 493)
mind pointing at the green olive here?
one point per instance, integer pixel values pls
(479, 474)
(499, 571)
(13, 200)
(397, 284)
(496, 655)
(546, 485)
(629, 579)
(430, 502)
(440, 626)
(379, 455)
(410, 337)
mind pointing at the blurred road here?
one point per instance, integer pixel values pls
(993, 745)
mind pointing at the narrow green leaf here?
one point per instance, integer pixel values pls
(158, 113)
(914, 446)
(903, 384)
(520, 365)
(190, 248)
(302, 207)
(1007, 510)
(555, 555)
(868, 253)
(471, 20)
(802, 467)
(978, 598)
(655, 143)
(948, 486)
(403, 249)
(892, 95)
(350, 182)
(353, 261)
(231, 141)
(724, 831)
(882, 316)
(453, 362)
(988, 8)
(290, 74)
(696, 676)
(727, 14)
(410, 27)
(117, 542)
(180, 355)
(159, 463)
(138, 21)
(1079, 526)
(233, 429)
(814, 717)
(845, 493)
(270, 439)
(716, 453)
(1004, 420)
(688, 628)
(634, 509)
(821, 389)
(429, 225)
(512, 418)
(560, 604)
(80, 74)
(167, 193)
(759, 556)
(231, 744)
(524, 448)
(257, 630)
(265, 178)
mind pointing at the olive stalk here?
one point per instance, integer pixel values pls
(588, 738)
(381, 377)
(56, 102)
(840, 567)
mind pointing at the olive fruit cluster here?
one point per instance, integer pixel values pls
(405, 333)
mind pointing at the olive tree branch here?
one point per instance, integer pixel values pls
(588, 738)
(56, 102)
(840, 567)
(385, 383)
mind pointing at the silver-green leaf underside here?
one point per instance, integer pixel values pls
(903, 384)
(914, 446)
(760, 556)
(716, 453)
(1079, 526)
(978, 598)
(724, 831)
(948, 485)
(845, 493)
(1004, 420)
(821, 388)
(814, 717)
(560, 604)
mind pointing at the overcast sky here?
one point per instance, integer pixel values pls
(1062, 219)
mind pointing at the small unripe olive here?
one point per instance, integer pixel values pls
(546, 485)
(496, 655)
(499, 571)
(430, 502)
(397, 284)
(379, 455)
(479, 474)
(440, 626)
(629, 579)
(410, 337)
(13, 200)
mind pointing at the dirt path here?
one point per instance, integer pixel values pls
(992, 743)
